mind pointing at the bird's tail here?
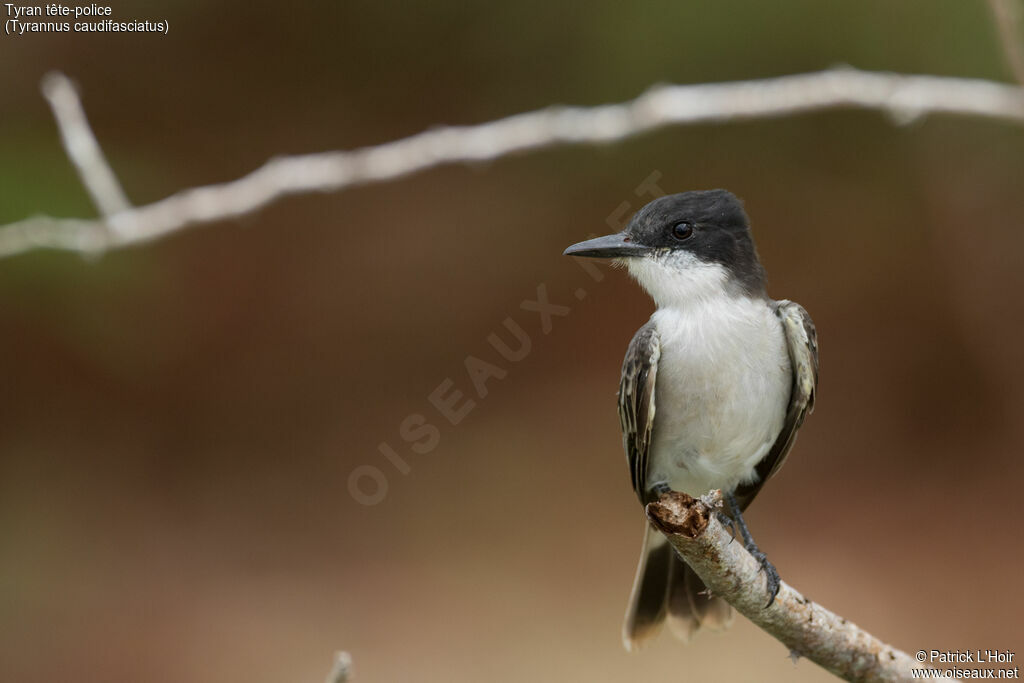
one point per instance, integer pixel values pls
(666, 588)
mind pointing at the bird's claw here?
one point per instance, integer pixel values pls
(771, 575)
(660, 488)
(728, 522)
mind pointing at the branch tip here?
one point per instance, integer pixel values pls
(341, 672)
(83, 149)
(679, 514)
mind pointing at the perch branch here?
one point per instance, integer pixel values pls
(806, 628)
(905, 97)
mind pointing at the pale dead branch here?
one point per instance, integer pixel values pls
(341, 672)
(82, 147)
(805, 627)
(904, 97)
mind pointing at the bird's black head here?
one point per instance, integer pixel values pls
(686, 231)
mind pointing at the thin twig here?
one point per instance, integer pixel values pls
(81, 145)
(341, 672)
(904, 97)
(806, 628)
(1009, 20)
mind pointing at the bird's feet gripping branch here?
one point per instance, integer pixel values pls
(735, 521)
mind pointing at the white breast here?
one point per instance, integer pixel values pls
(723, 380)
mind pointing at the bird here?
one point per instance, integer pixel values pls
(713, 388)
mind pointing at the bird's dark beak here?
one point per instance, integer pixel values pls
(609, 246)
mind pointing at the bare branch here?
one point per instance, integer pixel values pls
(1009, 20)
(81, 146)
(806, 628)
(904, 97)
(341, 672)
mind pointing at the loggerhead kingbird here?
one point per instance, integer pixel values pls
(713, 390)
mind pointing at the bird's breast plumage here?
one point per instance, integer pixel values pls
(724, 380)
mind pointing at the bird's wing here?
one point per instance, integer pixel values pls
(636, 402)
(802, 344)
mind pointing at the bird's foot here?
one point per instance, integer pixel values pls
(728, 522)
(771, 574)
(660, 488)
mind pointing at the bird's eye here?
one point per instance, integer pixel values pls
(682, 231)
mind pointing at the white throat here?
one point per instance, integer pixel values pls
(680, 280)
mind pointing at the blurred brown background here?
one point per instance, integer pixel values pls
(179, 420)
